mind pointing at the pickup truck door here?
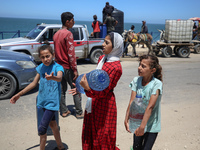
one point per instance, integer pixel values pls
(48, 35)
(81, 46)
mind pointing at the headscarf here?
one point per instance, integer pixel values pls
(116, 53)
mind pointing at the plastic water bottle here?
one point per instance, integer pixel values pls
(98, 80)
(136, 112)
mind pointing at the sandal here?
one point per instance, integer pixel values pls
(66, 113)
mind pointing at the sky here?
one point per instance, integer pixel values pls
(153, 11)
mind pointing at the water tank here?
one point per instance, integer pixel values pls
(119, 16)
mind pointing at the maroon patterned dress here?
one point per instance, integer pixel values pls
(99, 127)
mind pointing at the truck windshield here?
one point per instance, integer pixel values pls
(35, 32)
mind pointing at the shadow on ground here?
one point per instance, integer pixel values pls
(83, 61)
(50, 145)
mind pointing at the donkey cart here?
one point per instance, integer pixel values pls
(177, 39)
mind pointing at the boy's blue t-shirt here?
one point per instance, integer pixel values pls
(153, 124)
(49, 90)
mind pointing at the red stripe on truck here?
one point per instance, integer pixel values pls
(75, 43)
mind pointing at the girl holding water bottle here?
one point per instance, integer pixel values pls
(100, 122)
(143, 113)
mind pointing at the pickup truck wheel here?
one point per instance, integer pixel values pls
(167, 51)
(8, 85)
(94, 56)
(197, 49)
(183, 52)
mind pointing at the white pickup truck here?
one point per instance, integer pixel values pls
(85, 47)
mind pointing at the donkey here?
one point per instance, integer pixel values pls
(134, 39)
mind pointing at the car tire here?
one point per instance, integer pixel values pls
(95, 54)
(8, 85)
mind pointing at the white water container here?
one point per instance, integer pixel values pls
(178, 30)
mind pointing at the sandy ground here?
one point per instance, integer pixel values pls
(180, 128)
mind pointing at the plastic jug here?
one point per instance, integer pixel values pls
(98, 80)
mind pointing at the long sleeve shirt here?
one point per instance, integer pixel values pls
(64, 49)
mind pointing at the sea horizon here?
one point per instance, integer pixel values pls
(75, 20)
(12, 24)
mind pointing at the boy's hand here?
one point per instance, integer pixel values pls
(75, 75)
(73, 91)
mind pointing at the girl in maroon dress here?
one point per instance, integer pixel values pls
(100, 121)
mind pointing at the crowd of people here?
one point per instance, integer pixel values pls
(108, 20)
(110, 23)
(59, 69)
(99, 125)
(100, 121)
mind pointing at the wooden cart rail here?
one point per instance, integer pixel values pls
(174, 44)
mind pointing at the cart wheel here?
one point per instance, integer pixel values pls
(197, 49)
(184, 52)
(167, 51)
(176, 50)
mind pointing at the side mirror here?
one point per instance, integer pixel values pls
(42, 38)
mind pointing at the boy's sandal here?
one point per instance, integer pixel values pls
(66, 114)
